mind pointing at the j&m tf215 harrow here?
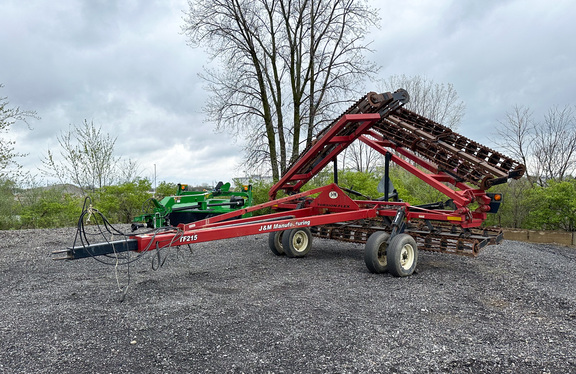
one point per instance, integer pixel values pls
(391, 230)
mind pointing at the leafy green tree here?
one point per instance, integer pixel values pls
(364, 183)
(515, 208)
(412, 189)
(49, 208)
(553, 207)
(409, 187)
(260, 191)
(324, 177)
(165, 189)
(121, 203)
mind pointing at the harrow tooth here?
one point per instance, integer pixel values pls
(469, 160)
(441, 237)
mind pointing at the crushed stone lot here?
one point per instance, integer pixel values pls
(233, 306)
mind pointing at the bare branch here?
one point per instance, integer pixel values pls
(516, 134)
(438, 101)
(86, 158)
(9, 168)
(555, 145)
(279, 57)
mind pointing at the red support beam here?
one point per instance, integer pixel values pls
(347, 129)
(461, 198)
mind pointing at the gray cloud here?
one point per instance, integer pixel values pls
(496, 54)
(123, 65)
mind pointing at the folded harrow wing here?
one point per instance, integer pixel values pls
(392, 231)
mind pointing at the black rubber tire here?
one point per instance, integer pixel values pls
(297, 242)
(402, 255)
(275, 242)
(375, 252)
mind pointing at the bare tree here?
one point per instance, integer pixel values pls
(516, 200)
(282, 66)
(128, 171)
(438, 101)
(9, 168)
(86, 158)
(360, 157)
(547, 148)
(555, 145)
(516, 135)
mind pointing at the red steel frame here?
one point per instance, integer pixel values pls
(461, 198)
(292, 181)
(331, 205)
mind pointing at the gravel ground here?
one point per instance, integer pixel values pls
(232, 306)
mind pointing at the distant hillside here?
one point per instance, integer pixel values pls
(65, 188)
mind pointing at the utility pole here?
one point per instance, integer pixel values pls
(154, 180)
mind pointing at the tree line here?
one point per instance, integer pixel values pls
(61, 205)
(552, 207)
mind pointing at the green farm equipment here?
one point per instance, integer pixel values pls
(189, 206)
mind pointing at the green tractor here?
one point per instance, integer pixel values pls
(189, 206)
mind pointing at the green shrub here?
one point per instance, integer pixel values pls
(552, 207)
(48, 208)
(515, 207)
(165, 189)
(9, 208)
(121, 203)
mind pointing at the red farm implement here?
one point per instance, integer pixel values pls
(392, 230)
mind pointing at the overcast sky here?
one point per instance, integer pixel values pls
(125, 66)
